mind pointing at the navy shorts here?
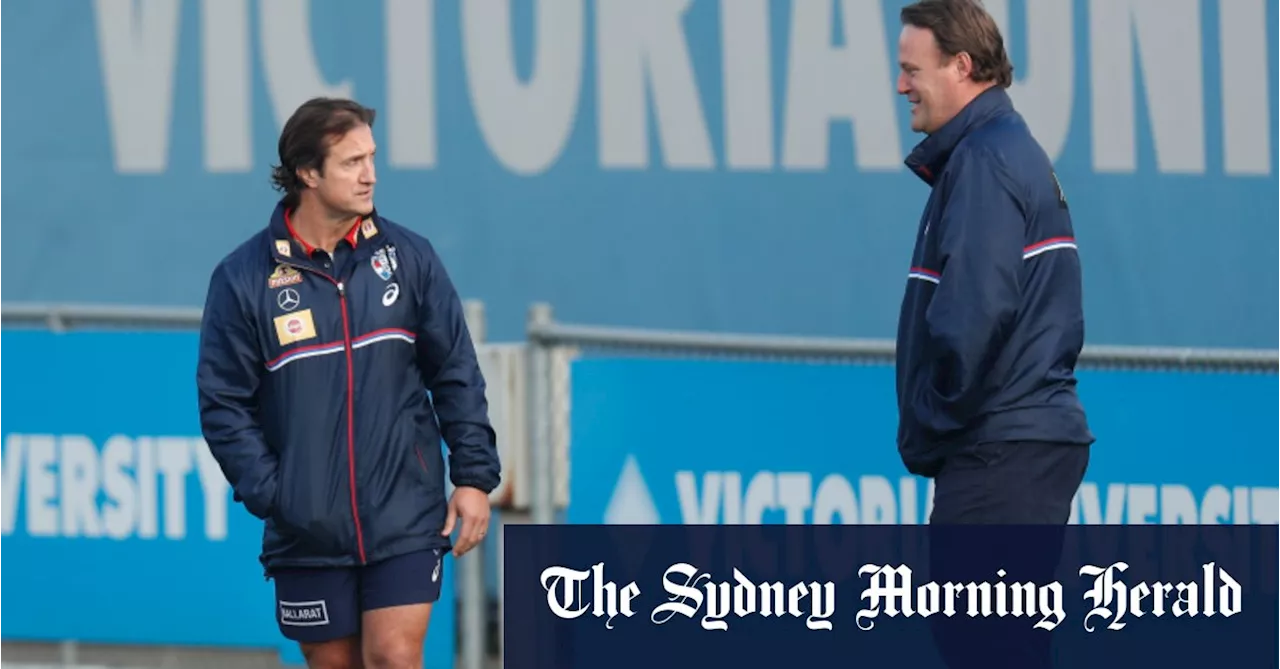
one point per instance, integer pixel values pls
(316, 604)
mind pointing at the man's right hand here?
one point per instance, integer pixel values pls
(472, 505)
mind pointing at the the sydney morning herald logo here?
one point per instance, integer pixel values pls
(1110, 602)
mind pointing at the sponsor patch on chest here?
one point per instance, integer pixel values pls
(295, 327)
(284, 276)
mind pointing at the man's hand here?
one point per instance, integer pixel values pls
(472, 505)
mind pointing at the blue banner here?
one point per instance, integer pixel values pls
(704, 441)
(731, 165)
(960, 597)
(112, 499)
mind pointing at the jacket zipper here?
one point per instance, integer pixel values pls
(351, 401)
(351, 417)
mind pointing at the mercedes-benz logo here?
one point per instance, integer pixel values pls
(288, 299)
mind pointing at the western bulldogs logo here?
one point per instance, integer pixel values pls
(381, 265)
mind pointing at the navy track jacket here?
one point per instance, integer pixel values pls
(313, 380)
(992, 321)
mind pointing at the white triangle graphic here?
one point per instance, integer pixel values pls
(631, 503)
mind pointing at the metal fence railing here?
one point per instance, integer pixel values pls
(62, 317)
(545, 331)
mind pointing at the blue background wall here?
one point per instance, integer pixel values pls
(744, 441)
(111, 496)
(1178, 246)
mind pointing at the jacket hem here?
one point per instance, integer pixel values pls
(401, 547)
(1050, 423)
(1045, 423)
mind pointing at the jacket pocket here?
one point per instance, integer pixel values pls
(285, 513)
(422, 462)
(420, 471)
(297, 514)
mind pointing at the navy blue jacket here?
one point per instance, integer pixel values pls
(313, 380)
(992, 321)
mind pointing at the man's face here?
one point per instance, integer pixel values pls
(931, 82)
(346, 184)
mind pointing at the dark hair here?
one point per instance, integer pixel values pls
(305, 140)
(964, 26)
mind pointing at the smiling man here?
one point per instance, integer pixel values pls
(322, 335)
(992, 322)
(991, 327)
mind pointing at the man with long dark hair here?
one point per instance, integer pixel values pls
(322, 335)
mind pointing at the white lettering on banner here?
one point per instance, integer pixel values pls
(228, 98)
(68, 488)
(681, 581)
(1169, 46)
(748, 84)
(891, 588)
(892, 591)
(526, 125)
(1171, 504)
(1045, 80)
(1113, 600)
(691, 591)
(139, 60)
(643, 61)
(722, 499)
(1246, 99)
(564, 594)
(411, 83)
(288, 57)
(138, 52)
(853, 82)
(639, 43)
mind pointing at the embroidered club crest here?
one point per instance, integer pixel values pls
(381, 264)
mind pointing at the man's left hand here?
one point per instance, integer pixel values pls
(472, 506)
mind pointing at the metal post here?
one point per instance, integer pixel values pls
(470, 578)
(541, 461)
(473, 311)
(69, 653)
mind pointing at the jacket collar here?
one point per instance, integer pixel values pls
(288, 248)
(929, 157)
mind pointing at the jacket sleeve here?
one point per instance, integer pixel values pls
(980, 243)
(448, 362)
(227, 378)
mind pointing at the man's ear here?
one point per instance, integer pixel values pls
(964, 65)
(309, 176)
